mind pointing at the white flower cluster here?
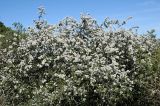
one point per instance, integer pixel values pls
(72, 60)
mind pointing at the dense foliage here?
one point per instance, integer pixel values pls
(80, 64)
(7, 34)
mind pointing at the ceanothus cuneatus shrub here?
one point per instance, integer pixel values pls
(74, 63)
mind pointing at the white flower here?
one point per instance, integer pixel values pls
(62, 76)
(30, 57)
(10, 47)
(78, 72)
(41, 57)
(9, 61)
(34, 42)
(1, 36)
(86, 76)
(22, 63)
(77, 58)
(44, 61)
(60, 39)
(39, 65)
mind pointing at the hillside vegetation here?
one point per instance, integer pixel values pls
(79, 64)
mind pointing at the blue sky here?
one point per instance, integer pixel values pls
(145, 13)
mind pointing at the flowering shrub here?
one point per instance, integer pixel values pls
(75, 63)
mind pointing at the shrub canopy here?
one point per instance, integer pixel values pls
(78, 63)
